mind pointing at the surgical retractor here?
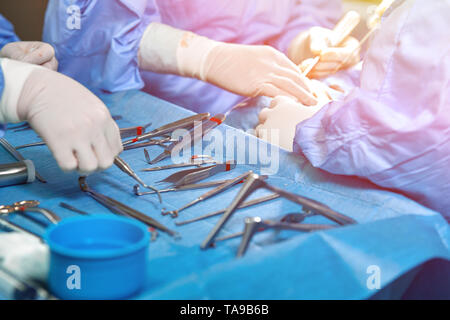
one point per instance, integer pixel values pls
(254, 182)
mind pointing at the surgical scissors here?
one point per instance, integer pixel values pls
(133, 131)
(193, 163)
(122, 209)
(209, 194)
(192, 136)
(151, 142)
(16, 154)
(254, 182)
(182, 123)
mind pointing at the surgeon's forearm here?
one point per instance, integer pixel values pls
(164, 49)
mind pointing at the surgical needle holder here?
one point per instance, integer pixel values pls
(254, 182)
(168, 128)
(122, 209)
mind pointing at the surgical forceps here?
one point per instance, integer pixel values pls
(209, 194)
(122, 209)
(254, 182)
(122, 165)
(219, 212)
(168, 128)
(191, 176)
(192, 136)
(16, 154)
(29, 206)
(253, 224)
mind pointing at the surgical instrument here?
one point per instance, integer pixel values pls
(219, 212)
(133, 131)
(209, 194)
(122, 209)
(33, 144)
(151, 142)
(192, 186)
(182, 123)
(192, 136)
(290, 218)
(340, 32)
(194, 162)
(71, 208)
(11, 287)
(15, 227)
(254, 182)
(122, 165)
(30, 206)
(17, 173)
(190, 176)
(253, 224)
(16, 154)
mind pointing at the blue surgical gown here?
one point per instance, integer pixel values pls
(7, 35)
(102, 53)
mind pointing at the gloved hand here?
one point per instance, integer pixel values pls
(314, 42)
(242, 69)
(284, 114)
(33, 52)
(76, 126)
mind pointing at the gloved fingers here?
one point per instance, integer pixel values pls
(112, 135)
(105, 156)
(39, 53)
(86, 158)
(293, 89)
(271, 91)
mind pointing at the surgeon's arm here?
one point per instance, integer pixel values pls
(242, 69)
(76, 126)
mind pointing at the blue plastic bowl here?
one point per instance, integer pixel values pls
(97, 257)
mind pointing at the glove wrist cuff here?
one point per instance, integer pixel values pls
(15, 74)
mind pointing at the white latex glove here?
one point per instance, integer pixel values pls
(284, 114)
(314, 42)
(242, 69)
(34, 52)
(76, 125)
